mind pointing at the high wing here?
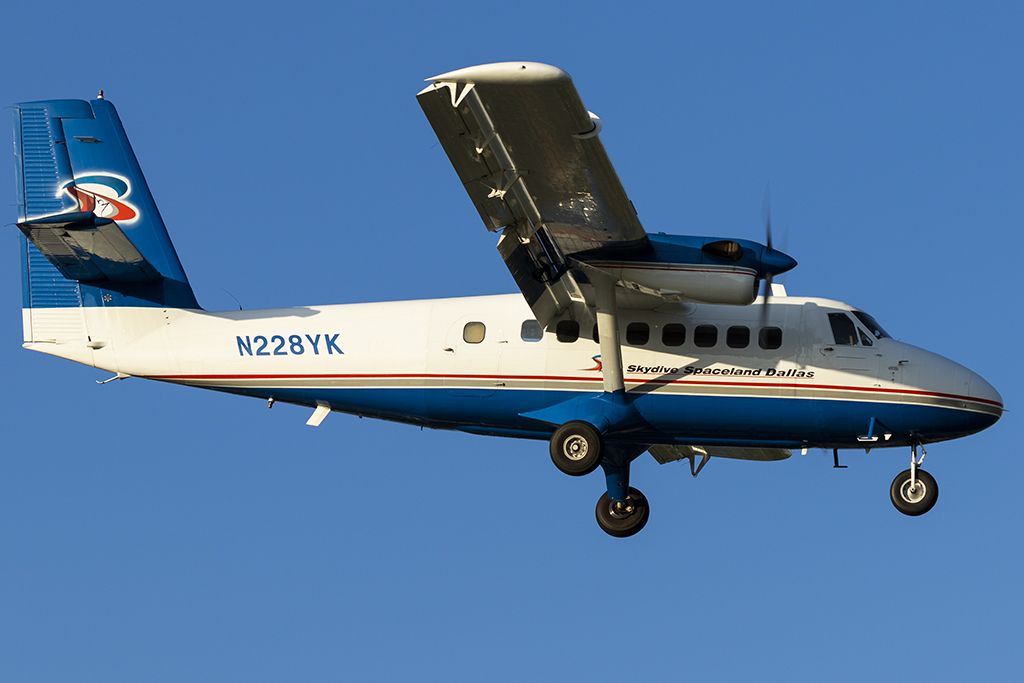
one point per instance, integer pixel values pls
(527, 152)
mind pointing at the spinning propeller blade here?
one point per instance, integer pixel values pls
(766, 209)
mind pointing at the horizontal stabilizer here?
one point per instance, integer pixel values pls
(87, 248)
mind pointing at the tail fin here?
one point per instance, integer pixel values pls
(92, 233)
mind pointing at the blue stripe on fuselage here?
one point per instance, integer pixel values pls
(707, 420)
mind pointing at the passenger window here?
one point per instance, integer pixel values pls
(769, 338)
(705, 336)
(473, 333)
(737, 337)
(531, 331)
(673, 334)
(637, 334)
(567, 331)
(842, 329)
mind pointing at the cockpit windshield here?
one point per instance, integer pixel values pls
(871, 324)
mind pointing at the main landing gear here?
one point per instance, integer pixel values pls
(914, 491)
(577, 449)
(622, 518)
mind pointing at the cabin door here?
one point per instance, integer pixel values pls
(470, 358)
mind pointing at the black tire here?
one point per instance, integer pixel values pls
(914, 503)
(619, 524)
(576, 448)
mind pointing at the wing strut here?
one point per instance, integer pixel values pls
(608, 335)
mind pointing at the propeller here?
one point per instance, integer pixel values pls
(773, 262)
(766, 211)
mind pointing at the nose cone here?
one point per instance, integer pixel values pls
(970, 403)
(981, 390)
(775, 262)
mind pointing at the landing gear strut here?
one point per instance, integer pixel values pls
(914, 491)
(577, 447)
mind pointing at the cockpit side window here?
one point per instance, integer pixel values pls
(865, 339)
(842, 329)
(872, 325)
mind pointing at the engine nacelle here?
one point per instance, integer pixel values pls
(706, 285)
(705, 269)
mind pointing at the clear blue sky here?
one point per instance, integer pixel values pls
(155, 533)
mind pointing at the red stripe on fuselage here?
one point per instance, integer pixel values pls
(417, 375)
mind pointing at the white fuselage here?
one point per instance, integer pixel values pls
(416, 361)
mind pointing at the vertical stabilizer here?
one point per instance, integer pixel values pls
(92, 234)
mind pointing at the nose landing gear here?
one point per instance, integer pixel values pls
(914, 491)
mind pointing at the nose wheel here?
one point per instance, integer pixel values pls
(914, 491)
(914, 497)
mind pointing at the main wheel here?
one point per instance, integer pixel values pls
(624, 518)
(914, 500)
(576, 448)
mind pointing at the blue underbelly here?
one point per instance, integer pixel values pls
(696, 419)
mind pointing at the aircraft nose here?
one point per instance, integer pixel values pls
(979, 388)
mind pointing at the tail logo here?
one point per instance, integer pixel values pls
(103, 194)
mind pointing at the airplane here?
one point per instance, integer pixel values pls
(620, 341)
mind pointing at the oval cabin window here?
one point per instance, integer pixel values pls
(474, 332)
(737, 337)
(770, 338)
(705, 336)
(673, 334)
(567, 331)
(531, 331)
(637, 334)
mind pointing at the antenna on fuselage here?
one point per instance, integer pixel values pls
(233, 297)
